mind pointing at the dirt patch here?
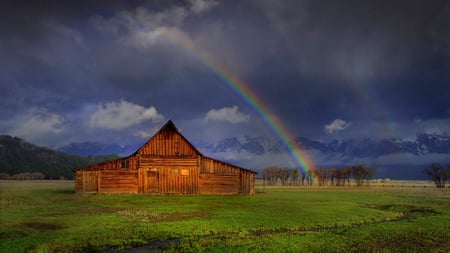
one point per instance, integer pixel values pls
(98, 211)
(12, 234)
(42, 226)
(408, 211)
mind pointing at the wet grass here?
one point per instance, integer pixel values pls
(48, 217)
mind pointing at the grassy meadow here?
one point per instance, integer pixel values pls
(46, 216)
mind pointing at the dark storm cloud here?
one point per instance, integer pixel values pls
(366, 63)
(355, 54)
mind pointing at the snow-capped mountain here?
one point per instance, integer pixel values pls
(255, 145)
(433, 143)
(260, 145)
(364, 148)
(393, 158)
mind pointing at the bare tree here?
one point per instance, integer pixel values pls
(321, 175)
(309, 177)
(270, 174)
(303, 178)
(332, 174)
(294, 176)
(371, 172)
(284, 175)
(438, 174)
(346, 173)
(358, 172)
(339, 177)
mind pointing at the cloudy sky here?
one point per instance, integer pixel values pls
(116, 71)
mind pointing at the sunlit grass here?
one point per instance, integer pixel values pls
(48, 216)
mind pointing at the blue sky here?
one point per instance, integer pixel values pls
(103, 71)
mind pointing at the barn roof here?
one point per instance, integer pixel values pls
(172, 126)
(168, 125)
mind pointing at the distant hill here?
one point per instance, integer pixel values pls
(18, 156)
(94, 149)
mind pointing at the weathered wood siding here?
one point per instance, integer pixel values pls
(212, 166)
(168, 142)
(88, 178)
(79, 180)
(166, 164)
(247, 183)
(117, 181)
(217, 177)
(152, 161)
(219, 184)
(168, 175)
(106, 181)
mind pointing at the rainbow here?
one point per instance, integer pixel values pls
(299, 157)
(238, 86)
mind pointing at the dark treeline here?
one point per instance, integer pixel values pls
(23, 176)
(20, 159)
(360, 174)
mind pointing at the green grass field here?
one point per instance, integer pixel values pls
(46, 216)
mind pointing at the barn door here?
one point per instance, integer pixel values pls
(90, 181)
(152, 182)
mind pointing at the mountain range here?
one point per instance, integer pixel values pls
(394, 158)
(345, 149)
(260, 145)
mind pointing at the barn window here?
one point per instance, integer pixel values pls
(125, 164)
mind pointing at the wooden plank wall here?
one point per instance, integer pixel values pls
(106, 181)
(174, 180)
(172, 175)
(168, 143)
(176, 175)
(113, 165)
(147, 161)
(90, 184)
(219, 184)
(247, 181)
(212, 166)
(87, 178)
(178, 180)
(217, 177)
(79, 181)
(118, 181)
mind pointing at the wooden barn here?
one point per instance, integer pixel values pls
(165, 164)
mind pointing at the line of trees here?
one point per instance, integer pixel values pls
(438, 174)
(22, 176)
(332, 176)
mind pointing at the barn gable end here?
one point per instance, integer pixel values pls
(168, 142)
(166, 164)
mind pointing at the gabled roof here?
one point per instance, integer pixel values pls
(172, 126)
(168, 125)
